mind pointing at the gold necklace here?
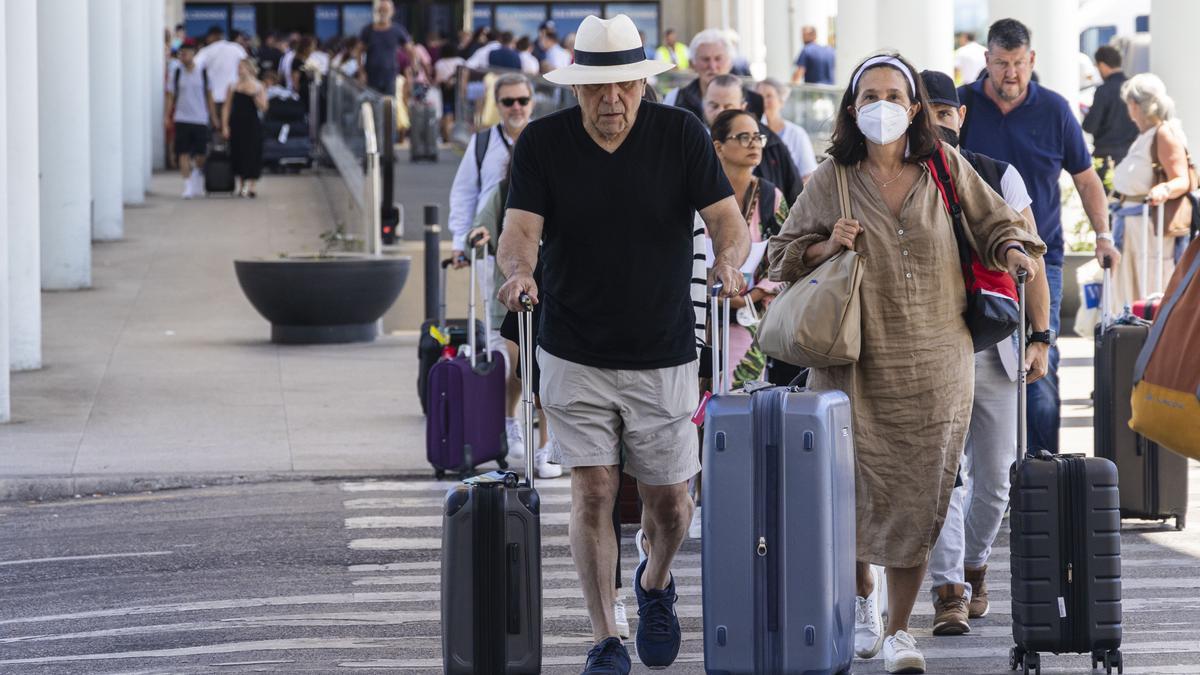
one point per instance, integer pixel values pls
(886, 183)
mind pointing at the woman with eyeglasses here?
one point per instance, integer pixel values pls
(739, 143)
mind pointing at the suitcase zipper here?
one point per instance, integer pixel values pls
(1081, 582)
(763, 422)
(488, 570)
(1065, 549)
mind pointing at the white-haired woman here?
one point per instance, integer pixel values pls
(1155, 170)
(799, 145)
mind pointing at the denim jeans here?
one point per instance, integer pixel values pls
(1042, 406)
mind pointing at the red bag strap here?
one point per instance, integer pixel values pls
(941, 171)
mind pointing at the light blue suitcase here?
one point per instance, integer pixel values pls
(778, 531)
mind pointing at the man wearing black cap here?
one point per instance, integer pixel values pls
(958, 562)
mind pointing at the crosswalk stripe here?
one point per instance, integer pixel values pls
(386, 522)
(222, 648)
(437, 501)
(442, 486)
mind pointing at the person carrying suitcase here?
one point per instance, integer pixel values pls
(911, 387)
(600, 184)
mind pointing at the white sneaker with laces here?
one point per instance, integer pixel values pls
(543, 466)
(868, 622)
(516, 439)
(900, 654)
(696, 528)
(622, 620)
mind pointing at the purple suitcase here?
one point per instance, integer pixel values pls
(465, 423)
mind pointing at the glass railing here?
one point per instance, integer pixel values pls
(475, 108)
(344, 141)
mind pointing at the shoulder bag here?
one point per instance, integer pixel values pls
(1177, 212)
(816, 321)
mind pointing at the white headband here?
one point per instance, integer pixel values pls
(889, 60)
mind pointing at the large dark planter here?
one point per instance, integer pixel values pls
(311, 300)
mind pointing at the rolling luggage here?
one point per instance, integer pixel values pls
(1065, 548)
(218, 169)
(423, 136)
(430, 348)
(1153, 481)
(465, 424)
(491, 563)
(778, 541)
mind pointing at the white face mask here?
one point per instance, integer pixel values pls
(883, 121)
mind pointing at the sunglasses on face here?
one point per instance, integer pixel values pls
(747, 139)
(510, 102)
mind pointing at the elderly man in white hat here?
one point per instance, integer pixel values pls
(600, 186)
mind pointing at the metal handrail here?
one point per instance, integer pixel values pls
(372, 217)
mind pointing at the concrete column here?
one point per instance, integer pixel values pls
(19, 41)
(1171, 52)
(1054, 27)
(157, 84)
(856, 35)
(104, 85)
(134, 102)
(146, 43)
(923, 32)
(65, 145)
(5, 379)
(777, 33)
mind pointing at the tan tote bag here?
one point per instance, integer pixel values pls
(816, 321)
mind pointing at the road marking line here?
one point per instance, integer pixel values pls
(436, 501)
(97, 556)
(443, 486)
(386, 522)
(224, 648)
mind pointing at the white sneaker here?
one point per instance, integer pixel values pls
(622, 619)
(868, 622)
(696, 528)
(543, 466)
(188, 188)
(197, 179)
(900, 654)
(516, 439)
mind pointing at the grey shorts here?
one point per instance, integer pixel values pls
(593, 410)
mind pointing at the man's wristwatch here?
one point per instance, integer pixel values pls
(1049, 337)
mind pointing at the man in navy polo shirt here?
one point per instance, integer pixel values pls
(1015, 120)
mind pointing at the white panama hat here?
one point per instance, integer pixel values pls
(607, 51)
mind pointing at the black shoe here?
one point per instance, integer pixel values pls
(658, 634)
(609, 657)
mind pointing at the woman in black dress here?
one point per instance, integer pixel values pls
(241, 126)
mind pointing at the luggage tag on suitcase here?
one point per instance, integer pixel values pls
(698, 416)
(506, 478)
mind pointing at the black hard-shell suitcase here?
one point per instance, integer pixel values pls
(491, 563)
(1065, 548)
(423, 136)
(218, 170)
(1153, 480)
(429, 350)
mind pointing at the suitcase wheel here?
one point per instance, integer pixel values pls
(1016, 656)
(1032, 664)
(1180, 520)
(1113, 659)
(439, 474)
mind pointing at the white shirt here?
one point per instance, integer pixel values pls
(285, 69)
(479, 60)
(1134, 175)
(969, 59)
(444, 69)
(800, 146)
(465, 192)
(320, 60)
(557, 57)
(529, 63)
(221, 60)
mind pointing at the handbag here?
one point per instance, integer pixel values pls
(1166, 375)
(1177, 212)
(816, 322)
(992, 309)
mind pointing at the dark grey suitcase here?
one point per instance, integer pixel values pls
(1065, 547)
(423, 136)
(778, 539)
(491, 564)
(1153, 480)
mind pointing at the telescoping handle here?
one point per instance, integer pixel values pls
(1022, 373)
(719, 339)
(525, 344)
(474, 244)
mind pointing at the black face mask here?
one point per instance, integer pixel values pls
(948, 135)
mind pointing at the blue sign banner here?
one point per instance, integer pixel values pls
(245, 19)
(327, 22)
(644, 15)
(197, 19)
(520, 20)
(481, 17)
(568, 17)
(355, 18)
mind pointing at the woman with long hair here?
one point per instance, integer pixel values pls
(911, 388)
(241, 126)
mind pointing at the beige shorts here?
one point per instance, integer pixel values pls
(593, 410)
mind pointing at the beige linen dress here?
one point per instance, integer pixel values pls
(912, 388)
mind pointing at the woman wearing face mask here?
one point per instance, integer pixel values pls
(911, 389)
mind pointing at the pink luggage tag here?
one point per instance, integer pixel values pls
(449, 352)
(698, 416)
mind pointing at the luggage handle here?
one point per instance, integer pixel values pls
(441, 317)
(525, 345)
(487, 316)
(719, 340)
(1144, 270)
(1022, 372)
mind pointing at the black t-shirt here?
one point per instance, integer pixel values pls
(617, 243)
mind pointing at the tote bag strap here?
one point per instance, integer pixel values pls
(843, 190)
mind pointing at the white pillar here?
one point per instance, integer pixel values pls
(856, 35)
(147, 45)
(104, 84)
(923, 32)
(19, 42)
(1054, 28)
(157, 66)
(5, 378)
(777, 33)
(134, 103)
(1171, 52)
(65, 146)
